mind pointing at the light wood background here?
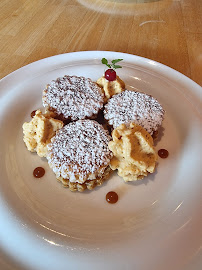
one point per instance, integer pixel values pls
(168, 31)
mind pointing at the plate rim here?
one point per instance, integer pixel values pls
(167, 72)
(95, 53)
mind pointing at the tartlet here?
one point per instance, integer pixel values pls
(137, 107)
(73, 98)
(79, 155)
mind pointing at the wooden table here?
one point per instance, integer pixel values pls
(168, 31)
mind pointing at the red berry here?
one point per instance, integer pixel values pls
(110, 74)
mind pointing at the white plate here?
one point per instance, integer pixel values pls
(156, 222)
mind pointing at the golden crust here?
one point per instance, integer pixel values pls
(89, 184)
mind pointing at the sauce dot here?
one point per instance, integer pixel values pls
(33, 113)
(163, 153)
(38, 172)
(112, 197)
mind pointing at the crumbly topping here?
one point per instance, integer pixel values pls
(73, 97)
(131, 106)
(79, 148)
(134, 154)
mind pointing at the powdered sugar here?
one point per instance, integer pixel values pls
(79, 149)
(73, 97)
(131, 106)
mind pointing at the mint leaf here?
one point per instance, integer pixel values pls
(116, 61)
(116, 66)
(105, 62)
(113, 63)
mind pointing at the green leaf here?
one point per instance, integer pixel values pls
(116, 61)
(116, 66)
(105, 62)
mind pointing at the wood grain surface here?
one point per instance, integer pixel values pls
(167, 31)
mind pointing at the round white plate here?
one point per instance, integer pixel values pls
(156, 222)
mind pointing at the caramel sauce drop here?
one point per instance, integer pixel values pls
(33, 113)
(38, 172)
(112, 197)
(163, 153)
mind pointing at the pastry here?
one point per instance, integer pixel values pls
(79, 155)
(131, 106)
(73, 98)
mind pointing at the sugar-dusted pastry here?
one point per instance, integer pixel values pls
(73, 98)
(79, 155)
(131, 106)
(133, 150)
(39, 131)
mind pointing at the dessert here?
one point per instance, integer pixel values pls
(79, 155)
(110, 82)
(39, 131)
(111, 88)
(133, 150)
(131, 106)
(73, 98)
(79, 150)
